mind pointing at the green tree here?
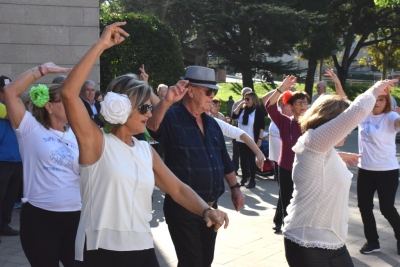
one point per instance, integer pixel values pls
(243, 32)
(383, 55)
(318, 42)
(387, 3)
(246, 32)
(150, 42)
(185, 17)
(353, 23)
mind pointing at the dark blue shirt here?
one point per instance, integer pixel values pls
(198, 160)
(9, 150)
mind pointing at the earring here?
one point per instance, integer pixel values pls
(50, 112)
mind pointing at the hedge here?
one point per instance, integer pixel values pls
(150, 42)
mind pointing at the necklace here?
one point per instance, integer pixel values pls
(55, 132)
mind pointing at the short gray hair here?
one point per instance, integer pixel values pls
(246, 90)
(161, 85)
(129, 84)
(86, 83)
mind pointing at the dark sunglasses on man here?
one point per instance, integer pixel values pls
(209, 90)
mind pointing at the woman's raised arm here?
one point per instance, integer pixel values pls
(12, 91)
(87, 132)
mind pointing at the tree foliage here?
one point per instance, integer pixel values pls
(383, 55)
(387, 3)
(353, 22)
(150, 42)
(242, 33)
(318, 42)
(246, 32)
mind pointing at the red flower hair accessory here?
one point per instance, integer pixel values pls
(286, 96)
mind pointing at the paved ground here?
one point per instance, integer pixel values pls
(249, 239)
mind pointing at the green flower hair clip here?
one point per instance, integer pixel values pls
(40, 95)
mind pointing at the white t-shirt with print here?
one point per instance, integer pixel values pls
(50, 164)
(376, 142)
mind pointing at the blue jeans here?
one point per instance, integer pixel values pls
(298, 256)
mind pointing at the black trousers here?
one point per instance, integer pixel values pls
(235, 154)
(194, 242)
(247, 162)
(278, 218)
(10, 180)
(108, 258)
(298, 256)
(48, 237)
(385, 183)
(285, 188)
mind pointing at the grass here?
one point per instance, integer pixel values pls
(234, 89)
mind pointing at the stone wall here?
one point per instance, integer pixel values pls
(36, 31)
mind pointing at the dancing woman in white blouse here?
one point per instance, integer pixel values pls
(316, 226)
(118, 172)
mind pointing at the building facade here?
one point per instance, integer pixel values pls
(33, 32)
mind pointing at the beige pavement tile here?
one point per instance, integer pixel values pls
(249, 240)
(18, 259)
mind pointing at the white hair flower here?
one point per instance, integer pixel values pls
(116, 108)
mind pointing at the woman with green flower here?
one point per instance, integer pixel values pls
(118, 172)
(52, 203)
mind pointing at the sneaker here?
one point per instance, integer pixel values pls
(17, 205)
(7, 230)
(370, 247)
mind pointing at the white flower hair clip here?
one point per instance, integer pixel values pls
(115, 109)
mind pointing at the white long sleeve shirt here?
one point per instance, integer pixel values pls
(229, 130)
(318, 212)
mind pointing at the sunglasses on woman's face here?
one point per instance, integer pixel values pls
(143, 109)
(247, 99)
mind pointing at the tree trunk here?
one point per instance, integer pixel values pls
(342, 75)
(247, 78)
(312, 66)
(201, 47)
(342, 71)
(165, 11)
(385, 64)
(321, 65)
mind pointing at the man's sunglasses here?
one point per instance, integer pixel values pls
(143, 109)
(209, 90)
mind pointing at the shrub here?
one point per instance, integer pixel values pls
(150, 42)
